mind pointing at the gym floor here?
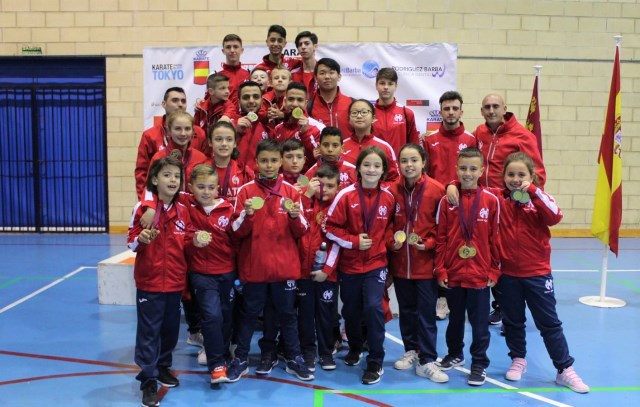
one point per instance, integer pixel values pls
(59, 347)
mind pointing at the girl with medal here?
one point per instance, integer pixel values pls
(231, 174)
(412, 261)
(160, 273)
(360, 221)
(467, 263)
(527, 213)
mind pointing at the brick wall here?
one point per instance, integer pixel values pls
(499, 42)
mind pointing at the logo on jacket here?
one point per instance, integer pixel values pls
(480, 144)
(355, 205)
(397, 207)
(235, 179)
(327, 296)
(484, 213)
(223, 221)
(265, 135)
(549, 285)
(461, 146)
(344, 177)
(397, 118)
(382, 211)
(180, 225)
(435, 144)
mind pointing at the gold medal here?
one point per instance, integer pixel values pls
(525, 198)
(257, 202)
(287, 204)
(472, 251)
(319, 217)
(177, 154)
(400, 236)
(297, 113)
(252, 116)
(303, 180)
(204, 236)
(516, 195)
(414, 238)
(463, 252)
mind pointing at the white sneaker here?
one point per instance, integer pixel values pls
(517, 369)
(407, 360)
(442, 308)
(569, 378)
(196, 339)
(202, 357)
(430, 371)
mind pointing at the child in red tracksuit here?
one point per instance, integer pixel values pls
(231, 173)
(360, 222)
(317, 290)
(268, 223)
(467, 263)
(160, 272)
(411, 264)
(527, 212)
(212, 270)
(330, 150)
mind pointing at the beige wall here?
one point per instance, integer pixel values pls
(499, 41)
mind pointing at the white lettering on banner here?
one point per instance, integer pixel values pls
(359, 62)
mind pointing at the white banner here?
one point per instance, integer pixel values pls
(425, 71)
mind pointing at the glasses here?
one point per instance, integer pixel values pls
(362, 113)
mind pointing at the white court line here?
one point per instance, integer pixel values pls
(45, 288)
(493, 381)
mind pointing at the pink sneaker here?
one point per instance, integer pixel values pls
(517, 369)
(569, 378)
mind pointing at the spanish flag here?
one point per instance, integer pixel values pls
(533, 118)
(607, 207)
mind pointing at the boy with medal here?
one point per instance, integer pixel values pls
(467, 263)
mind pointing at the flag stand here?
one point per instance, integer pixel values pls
(603, 301)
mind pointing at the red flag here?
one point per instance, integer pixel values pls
(607, 207)
(533, 118)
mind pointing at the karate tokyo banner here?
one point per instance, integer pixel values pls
(425, 71)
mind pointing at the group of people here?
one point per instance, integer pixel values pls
(238, 204)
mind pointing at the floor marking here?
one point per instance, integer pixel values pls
(595, 270)
(45, 288)
(493, 381)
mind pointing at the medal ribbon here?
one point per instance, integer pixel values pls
(468, 224)
(156, 218)
(225, 182)
(271, 191)
(410, 208)
(368, 215)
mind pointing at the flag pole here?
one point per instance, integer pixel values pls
(602, 300)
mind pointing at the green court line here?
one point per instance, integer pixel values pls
(39, 278)
(318, 396)
(629, 285)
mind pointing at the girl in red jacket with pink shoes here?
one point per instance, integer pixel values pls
(360, 221)
(526, 214)
(160, 273)
(412, 260)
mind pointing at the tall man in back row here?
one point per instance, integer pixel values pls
(499, 136)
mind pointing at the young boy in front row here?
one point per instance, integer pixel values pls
(467, 264)
(317, 290)
(268, 222)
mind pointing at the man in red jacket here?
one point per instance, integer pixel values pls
(329, 106)
(498, 137)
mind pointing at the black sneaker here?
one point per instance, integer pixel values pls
(166, 378)
(352, 358)
(477, 376)
(266, 365)
(449, 362)
(327, 362)
(373, 373)
(310, 361)
(150, 394)
(495, 317)
(299, 369)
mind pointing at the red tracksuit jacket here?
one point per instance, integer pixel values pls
(334, 114)
(161, 266)
(352, 147)
(476, 271)
(207, 114)
(190, 158)
(310, 138)
(442, 148)
(238, 175)
(268, 248)
(347, 170)
(395, 124)
(409, 262)
(344, 224)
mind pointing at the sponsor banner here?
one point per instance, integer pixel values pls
(425, 71)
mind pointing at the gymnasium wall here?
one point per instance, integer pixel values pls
(499, 42)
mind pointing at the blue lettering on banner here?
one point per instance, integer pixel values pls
(167, 72)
